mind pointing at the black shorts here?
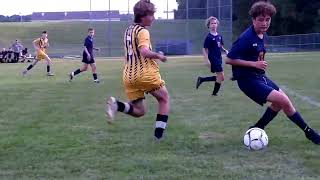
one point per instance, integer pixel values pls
(86, 60)
(257, 88)
(216, 65)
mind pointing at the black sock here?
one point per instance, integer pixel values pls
(210, 78)
(124, 107)
(267, 117)
(95, 76)
(48, 68)
(216, 88)
(29, 67)
(77, 72)
(161, 123)
(298, 120)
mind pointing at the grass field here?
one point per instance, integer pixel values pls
(53, 129)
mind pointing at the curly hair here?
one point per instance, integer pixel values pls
(262, 8)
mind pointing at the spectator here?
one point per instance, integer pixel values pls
(3, 55)
(16, 47)
(24, 54)
(9, 55)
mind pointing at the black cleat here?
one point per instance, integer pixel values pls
(214, 94)
(198, 82)
(312, 136)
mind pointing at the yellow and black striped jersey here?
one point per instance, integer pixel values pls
(137, 66)
(42, 43)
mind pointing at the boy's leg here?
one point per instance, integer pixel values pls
(94, 72)
(49, 65)
(163, 99)
(78, 71)
(134, 108)
(281, 99)
(35, 61)
(217, 84)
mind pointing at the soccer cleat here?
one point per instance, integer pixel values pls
(24, 73)
(71, 75)
(96, 81)
(50, 74)
(312, 136)
(198, 82)
(214, 94)
(112, 108)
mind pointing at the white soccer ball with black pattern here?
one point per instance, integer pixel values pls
(255, 139)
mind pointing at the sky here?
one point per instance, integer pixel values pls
(24, 7)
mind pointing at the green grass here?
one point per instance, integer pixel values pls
(67, 37)
(53, 129)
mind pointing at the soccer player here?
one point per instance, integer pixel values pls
(40, 45)
(141, 72)
(212, 55)
(87, 57)
(247, 57)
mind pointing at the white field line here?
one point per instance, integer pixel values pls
(307, 99)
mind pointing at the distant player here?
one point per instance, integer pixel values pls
(87, 57)
(40, 45)
(141, 72)
(247, 57)
(212, 55)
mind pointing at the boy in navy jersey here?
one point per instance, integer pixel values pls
(212, 55)
(247, 57)
(87, 57)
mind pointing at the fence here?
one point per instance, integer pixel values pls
(293, 43)
(183, 35)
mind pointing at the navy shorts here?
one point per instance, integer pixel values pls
(216, 66)
(86, 60)
(257, 88)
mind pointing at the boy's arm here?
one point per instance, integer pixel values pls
(205, 56)
(36, 47)
(47, 45)
(147, 53)
(144, 44)
(255, 64)
(87, 52)
(224, 49)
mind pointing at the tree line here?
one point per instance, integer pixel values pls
(293, 16)
(15, 18)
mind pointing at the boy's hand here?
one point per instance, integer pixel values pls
(161, 56)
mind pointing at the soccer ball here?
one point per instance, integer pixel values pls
(255, 139)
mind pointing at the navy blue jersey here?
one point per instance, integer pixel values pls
(213, 44)
(248, 47)
(88, 43)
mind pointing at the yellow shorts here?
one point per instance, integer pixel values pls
(136, 89)
(41, 54)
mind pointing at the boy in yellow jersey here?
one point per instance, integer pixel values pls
(40, 45)
(141, 72)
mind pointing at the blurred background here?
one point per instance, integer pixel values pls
(179, 29)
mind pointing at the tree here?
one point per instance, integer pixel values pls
(293, 16)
